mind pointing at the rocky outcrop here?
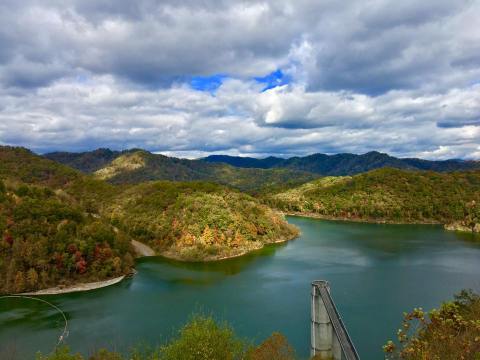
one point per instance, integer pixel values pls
(460, 226)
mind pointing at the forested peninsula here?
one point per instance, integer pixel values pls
(389, 195)
(62, 227)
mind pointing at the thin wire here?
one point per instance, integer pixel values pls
(65, 329)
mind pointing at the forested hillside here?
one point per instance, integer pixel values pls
(389, 195)
(87, 162)
(136, 166)
(49, 239)
(22, 165)
(59, 226)
(197, 221)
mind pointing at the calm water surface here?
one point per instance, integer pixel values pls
(376, 272)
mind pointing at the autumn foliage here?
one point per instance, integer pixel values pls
(449, 333)
(48, 240)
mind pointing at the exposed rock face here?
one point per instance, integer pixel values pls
(460, 226)
(124, 163)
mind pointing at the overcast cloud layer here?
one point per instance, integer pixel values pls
(190, 78)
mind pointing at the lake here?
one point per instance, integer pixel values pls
(376, 273)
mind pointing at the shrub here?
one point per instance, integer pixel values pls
(204, 339)
(275, 347)
(62, 353)
(450, 333)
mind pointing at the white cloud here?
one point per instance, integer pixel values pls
(383, 75)
(238, 119)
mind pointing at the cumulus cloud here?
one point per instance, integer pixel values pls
(347, 76)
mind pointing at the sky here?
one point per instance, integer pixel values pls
(190, 78)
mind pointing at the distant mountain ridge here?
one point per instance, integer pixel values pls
(344, 164)
(89, 161)
(136, 166)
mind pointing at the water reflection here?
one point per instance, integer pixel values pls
(365, 237)
(231, 266)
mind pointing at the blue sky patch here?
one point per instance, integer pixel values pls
(207, 83)
(274, 79)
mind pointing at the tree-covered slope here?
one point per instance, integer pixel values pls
(197, 221)
(22, 165)
(86, 162)
(48, 239)
(59, 226)
(344, 164)
(389, 195)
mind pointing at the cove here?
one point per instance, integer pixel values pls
(376, 273)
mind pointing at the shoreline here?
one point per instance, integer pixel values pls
(76, 288)
(144, 250)
(356, 220)
(166, 255)
(448, 227)
(141, 249)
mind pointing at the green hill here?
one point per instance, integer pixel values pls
(58, 226)
(197, 221)
(86, 162)
(136, 166)
(23, 165)
(48, 239)
(389, 195)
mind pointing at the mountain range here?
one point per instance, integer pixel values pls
(344, 164)
(213, 168)
(136, 166)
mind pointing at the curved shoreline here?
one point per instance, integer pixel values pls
(76, 288)
(454, 226)
(142, 251)
(356, 220)
(176, 257)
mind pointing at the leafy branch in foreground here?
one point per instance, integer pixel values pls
(449, 333)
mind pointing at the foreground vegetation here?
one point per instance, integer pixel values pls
(449, 333)
(201, 339)
(389, 195)
(61, 227)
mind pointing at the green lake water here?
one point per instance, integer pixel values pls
(376, 272)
